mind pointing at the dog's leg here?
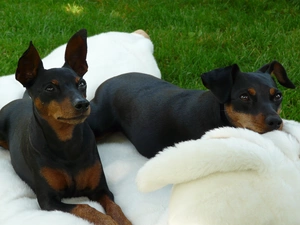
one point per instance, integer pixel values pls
(112, 209)
(92, 215)
(83, 211)
(49, 199)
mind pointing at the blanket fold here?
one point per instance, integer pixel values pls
(230, 176)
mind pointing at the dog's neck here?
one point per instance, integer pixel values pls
(223, 116)
(47, 139)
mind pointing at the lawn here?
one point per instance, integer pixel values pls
(190, 37)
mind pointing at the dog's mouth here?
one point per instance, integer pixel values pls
(73, 120)
(263, 130)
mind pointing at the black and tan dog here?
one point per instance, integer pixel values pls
(155, 114)
(51, 145)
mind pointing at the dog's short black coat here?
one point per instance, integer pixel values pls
(51, 145)
(155, 114)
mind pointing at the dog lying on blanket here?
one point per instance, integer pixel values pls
(110, 54)
(230, 176)
(155, 114)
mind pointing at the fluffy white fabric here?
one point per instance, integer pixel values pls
(109, 54)
(230, 176)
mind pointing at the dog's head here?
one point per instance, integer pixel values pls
(58, 94)
(251, 100)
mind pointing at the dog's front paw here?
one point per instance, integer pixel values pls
(117, 214)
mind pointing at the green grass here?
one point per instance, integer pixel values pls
(190, 37)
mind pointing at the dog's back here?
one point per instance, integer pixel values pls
(135, 103)
(13, 128)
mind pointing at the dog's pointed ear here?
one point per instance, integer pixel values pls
(276, 69)
(28, 66)
(220, 81)
(76, 50)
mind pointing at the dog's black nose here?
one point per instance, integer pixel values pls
(81, 105)
(274, 122)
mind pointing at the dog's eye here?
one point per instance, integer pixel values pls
(49, 88)
(244, 97)
(82, 84)
(277, 97)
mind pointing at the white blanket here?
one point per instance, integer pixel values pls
(109, 54)
(230, 176)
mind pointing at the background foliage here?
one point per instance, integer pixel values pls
(190, 37)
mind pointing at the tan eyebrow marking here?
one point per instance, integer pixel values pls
(252, 91)
(272, 91)
(55, 82)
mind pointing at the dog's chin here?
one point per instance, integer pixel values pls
(264, 130)
(73, 120)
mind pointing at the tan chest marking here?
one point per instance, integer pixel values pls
(89, 178)
(59, 179)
